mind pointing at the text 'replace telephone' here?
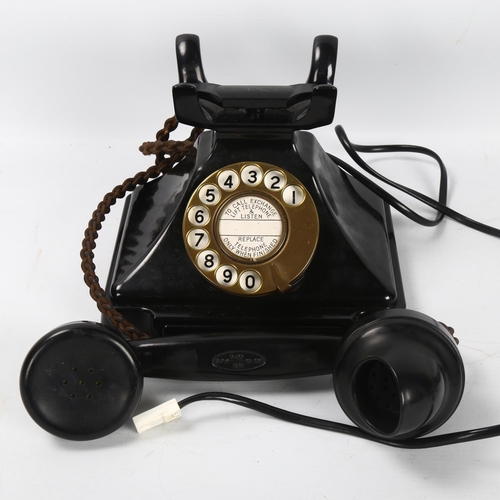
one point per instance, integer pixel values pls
(245, 253)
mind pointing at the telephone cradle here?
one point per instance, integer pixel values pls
(255, 257)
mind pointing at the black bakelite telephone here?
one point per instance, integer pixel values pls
(253, 255)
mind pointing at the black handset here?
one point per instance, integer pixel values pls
(253, 255)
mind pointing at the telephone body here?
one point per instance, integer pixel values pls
(259, 258)
(337, 237)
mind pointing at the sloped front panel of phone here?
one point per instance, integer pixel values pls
(354, 268)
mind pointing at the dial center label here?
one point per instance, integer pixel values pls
(250, 227)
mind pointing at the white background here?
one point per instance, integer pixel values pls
(83, 84)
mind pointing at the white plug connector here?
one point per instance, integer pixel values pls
(158, 415)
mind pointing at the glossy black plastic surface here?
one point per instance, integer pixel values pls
(235, 355)
(81, 381)
(189, 63)
(399, 374)
(324, 60)
(255, 108)
(354, 269)
(194, 324)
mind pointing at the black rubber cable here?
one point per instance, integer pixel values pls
(296, 418)
(439, 206)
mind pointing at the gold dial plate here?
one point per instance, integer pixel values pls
(251, 228)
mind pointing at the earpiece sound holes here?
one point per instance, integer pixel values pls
(81, 383)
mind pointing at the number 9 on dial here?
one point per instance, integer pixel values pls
(226, 275)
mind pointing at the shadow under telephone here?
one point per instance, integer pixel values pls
(246, 253)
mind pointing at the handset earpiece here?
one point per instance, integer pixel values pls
(81, 381)
(399, 374)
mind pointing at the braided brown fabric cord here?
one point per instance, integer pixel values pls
(176, 151)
